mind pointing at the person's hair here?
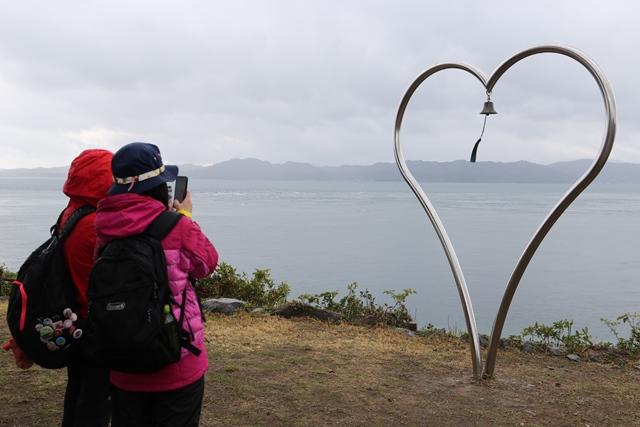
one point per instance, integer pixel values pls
(160, 193)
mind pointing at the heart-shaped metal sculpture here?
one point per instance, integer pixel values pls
(549, 221)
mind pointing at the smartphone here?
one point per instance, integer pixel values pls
(180, 188)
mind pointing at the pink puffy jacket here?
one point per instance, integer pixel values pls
(189, 254)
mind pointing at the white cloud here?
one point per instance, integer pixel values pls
(316, 82)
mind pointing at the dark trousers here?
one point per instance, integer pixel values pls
(87, 402)
(174, 408)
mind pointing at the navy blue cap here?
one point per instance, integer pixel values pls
(137, 167)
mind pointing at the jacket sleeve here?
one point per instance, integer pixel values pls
(201, 252)
(79, 250)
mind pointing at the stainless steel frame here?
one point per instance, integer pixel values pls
(552, 217)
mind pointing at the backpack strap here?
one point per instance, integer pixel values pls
(71, 222)
(187, 336)
(162, 224)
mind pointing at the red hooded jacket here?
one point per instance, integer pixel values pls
(87, 183)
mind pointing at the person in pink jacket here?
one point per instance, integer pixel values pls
(173, 395)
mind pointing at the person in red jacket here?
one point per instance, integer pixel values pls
(87, 398)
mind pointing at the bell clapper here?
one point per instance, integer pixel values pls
(486, 110)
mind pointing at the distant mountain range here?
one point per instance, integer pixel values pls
(457, 171)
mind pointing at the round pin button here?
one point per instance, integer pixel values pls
(52, 346)
(61, 341)
(68, 323)
(77, 333)
(67, 312)
(46, 332)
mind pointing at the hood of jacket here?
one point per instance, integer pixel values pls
(125, 215)
(89, 177)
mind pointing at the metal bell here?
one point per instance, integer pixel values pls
(488, 108)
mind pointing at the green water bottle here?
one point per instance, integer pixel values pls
(172, 330)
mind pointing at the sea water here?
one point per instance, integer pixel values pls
(323, 236)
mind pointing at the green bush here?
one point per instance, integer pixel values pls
(362, 309)
(6, 278)
(225, 282)
(558, 333)
(258, 291)
(631, 344)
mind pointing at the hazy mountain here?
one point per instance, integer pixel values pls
(36, 172)
(612, 172)
(456, 171)
(188, 167)
(61, 171)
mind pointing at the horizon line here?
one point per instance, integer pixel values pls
(327, 166)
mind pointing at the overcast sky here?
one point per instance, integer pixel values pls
(311, 81)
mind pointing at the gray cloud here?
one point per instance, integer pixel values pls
(316, 82)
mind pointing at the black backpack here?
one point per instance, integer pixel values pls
(128, 297)
(42, 313)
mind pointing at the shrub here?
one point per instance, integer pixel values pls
(6, 278)
(556, 334)
(362, 309)
(258, 291)
(631, 344)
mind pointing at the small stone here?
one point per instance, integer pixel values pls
(528, 347)
(595, 357)
(484, 340)
(557, 351)
(574, 357)
(226, 306)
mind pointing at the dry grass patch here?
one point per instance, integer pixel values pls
(268, 371)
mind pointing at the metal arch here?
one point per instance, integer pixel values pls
(570, 195)
(470, 319)
(556, 212)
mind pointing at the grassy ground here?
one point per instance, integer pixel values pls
(268, 371)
